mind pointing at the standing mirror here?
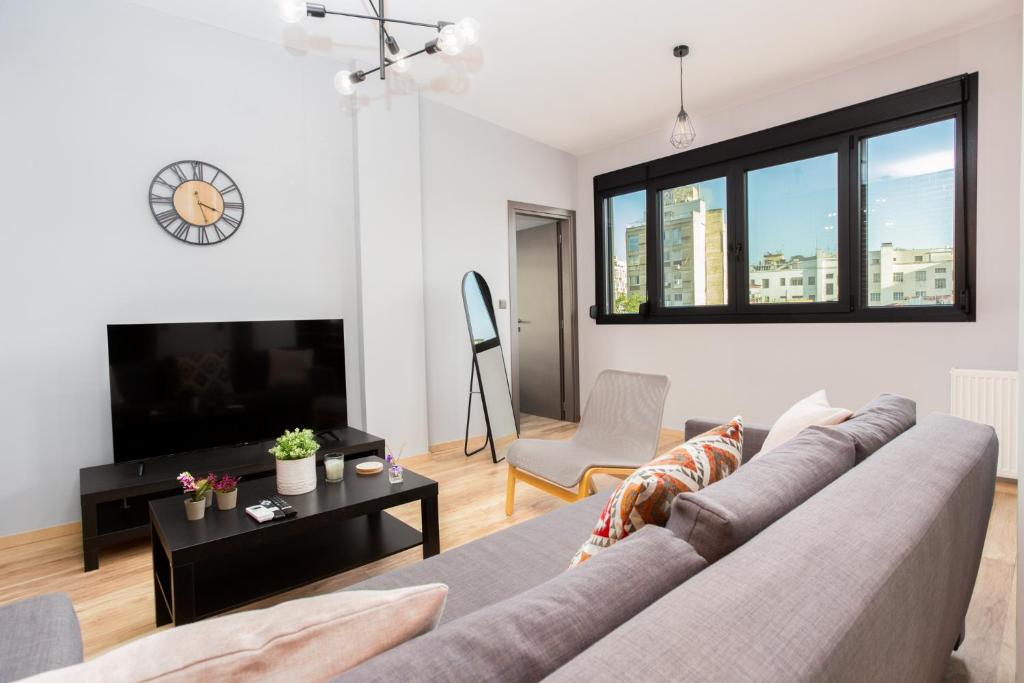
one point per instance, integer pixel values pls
(487, 378)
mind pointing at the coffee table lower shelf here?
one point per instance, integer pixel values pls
(222, 582)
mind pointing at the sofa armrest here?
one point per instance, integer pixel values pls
(37, 635)
(753, 435)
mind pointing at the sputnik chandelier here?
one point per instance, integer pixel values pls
(451, 39)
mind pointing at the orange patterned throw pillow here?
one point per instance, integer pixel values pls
(645, 496)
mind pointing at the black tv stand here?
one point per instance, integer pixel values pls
(115, 498)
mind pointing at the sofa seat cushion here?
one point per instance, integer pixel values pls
(723, 517)
(869, 580)
(310, 639)
(502, 564)
(38, 634)
(879, 422)
(645, 496)
(529, 636)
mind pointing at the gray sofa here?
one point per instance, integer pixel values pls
(868, 579)
(865, 577)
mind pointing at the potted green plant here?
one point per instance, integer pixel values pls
(225, 487)
(196, 490)
(295, 451)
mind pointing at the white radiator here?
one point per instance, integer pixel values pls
(989, 397)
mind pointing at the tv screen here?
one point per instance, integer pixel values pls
(177, 387)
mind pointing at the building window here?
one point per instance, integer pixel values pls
(625, 234)
(694, 215)
(794, 204)
(744, 229)
(909, 179)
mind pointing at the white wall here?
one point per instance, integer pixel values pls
(99, 96)
(759, 370)
(471, 170)
(391, 265)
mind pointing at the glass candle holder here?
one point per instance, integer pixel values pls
(395, 474)
(334, 467)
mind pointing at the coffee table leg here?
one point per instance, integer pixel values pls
(431, 530)
(161, 566)
(184, 590)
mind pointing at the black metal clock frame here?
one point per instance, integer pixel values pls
(183, 228)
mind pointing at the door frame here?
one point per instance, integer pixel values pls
(567, 304)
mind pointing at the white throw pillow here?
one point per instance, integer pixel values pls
(813, 410)
(310, 639)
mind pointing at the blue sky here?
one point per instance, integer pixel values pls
(793, 206)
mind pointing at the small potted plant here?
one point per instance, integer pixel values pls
(225, 487)
(209, 489)
(295, 451)
(195, 503)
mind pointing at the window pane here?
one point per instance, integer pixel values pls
(907, 200)
(792, 214)
(625, 220)
(694, 239)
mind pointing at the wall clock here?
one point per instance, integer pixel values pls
(196, 202)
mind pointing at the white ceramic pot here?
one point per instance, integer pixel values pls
(227, 500)
(208, 496)
(295, 477)
(194, 509)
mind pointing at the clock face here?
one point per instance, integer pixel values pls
(196, 202)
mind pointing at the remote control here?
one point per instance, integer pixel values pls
(279, 506)
(259, 513)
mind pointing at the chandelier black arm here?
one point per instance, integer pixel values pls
(389, 62)
(387, 20)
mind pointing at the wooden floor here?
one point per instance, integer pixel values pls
(115, 603)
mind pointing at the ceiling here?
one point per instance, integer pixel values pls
(583, 74)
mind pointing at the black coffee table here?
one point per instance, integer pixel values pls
(227, 560)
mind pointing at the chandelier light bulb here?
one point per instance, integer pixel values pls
(343, 82)
(450, 40)
(683, 133)
(291, 11)
(400, 61)
(470, 30)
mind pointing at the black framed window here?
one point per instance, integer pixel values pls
(861, 214)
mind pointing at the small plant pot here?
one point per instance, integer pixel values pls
(295, 477)
(194, 509)
(227, 500)
(208, 497)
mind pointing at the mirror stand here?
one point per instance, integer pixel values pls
(469, 414)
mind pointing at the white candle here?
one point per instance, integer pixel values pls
(335, 468)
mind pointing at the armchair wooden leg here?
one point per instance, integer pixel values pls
(510, 491)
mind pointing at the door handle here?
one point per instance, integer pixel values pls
(521, 321)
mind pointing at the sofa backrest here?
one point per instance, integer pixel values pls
(868, 580)
(753, 434)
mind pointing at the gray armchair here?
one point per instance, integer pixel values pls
(619, 432)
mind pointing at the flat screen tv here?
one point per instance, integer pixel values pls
(177, 387)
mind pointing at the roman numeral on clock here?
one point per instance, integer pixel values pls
(203, 237)
(165, 218)
(177, 172)
(233, 222)
(157, 199)
(197, 170)
(181, 232)
(229, 188)
(232, 205)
